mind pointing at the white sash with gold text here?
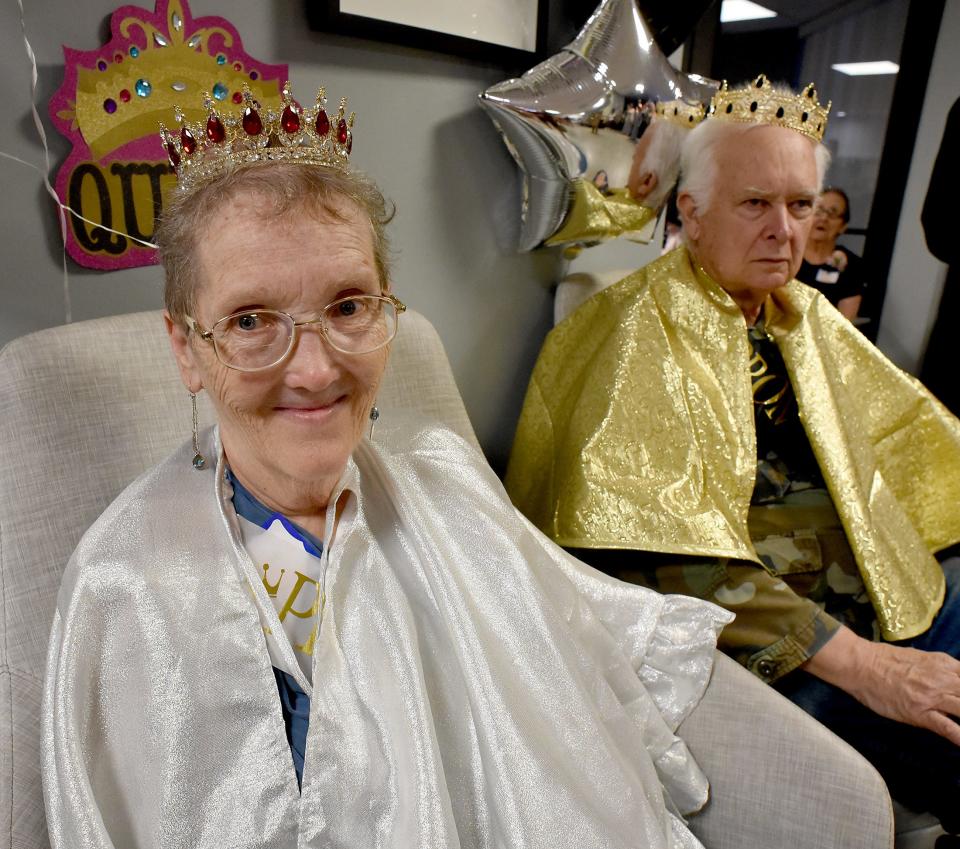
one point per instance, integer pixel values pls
(291, 576)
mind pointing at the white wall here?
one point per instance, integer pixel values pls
(419, 133)
(916, 277)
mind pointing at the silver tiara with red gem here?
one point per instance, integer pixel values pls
(199, 151)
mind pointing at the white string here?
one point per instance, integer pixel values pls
(67, 208)
(62, 208)
(46, 156)
(76, 214)
(22, 162)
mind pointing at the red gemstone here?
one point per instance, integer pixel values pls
(172, 153)
(125, 95)
(323, 123)
(216, 132)
(290, 120)
(188, 144)
(237, 97)
(252, 125)
(342, 131)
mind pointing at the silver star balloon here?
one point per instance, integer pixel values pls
(577, 116)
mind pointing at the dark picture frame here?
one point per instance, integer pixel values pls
(329, 15)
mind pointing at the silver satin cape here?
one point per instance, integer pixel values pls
(474, 686)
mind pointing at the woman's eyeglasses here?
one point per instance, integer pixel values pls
(828, 212)
(253, 340)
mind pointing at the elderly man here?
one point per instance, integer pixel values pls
(709, 425)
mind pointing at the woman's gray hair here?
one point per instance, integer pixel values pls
(699, 165)
(283, 189)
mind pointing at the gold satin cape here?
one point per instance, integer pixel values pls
(637, 432)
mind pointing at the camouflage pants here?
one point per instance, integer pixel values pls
(787, 607)
(804, 549)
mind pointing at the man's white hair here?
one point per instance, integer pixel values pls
(663, 159)
(698, 159)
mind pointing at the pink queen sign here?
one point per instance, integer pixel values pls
(110, 106)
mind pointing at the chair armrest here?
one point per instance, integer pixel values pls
(778, 777)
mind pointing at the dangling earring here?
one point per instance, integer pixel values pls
(374, 415)
(199, 463)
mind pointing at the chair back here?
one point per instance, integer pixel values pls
(577, 288)
(85, 409)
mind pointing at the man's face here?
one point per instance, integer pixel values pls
(751, 237)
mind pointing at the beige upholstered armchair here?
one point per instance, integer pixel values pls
(87, 407)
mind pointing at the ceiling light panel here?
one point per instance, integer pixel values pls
(743, 10)
(866, 69)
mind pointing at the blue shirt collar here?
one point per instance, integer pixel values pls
(259, 514)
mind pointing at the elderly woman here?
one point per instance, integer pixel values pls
(287, 634)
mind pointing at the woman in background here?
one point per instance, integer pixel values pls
(833, 270)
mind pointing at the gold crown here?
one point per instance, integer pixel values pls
(761, 103)
(681, 113)
(118, 92)
(201, 150)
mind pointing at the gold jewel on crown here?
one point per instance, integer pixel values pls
(680, 112)
(761, 103)
(199, 151)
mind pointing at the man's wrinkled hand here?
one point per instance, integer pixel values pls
(908, 685)
(917, 687)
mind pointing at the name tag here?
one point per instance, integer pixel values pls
(828, 275)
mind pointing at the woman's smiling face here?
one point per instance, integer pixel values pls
(288, 430)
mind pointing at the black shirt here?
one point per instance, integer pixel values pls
(785, 460)
(831, 281)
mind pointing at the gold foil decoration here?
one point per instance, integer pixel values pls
(595, 216)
